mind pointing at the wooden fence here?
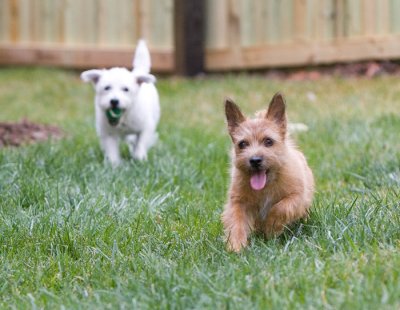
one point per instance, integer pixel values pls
(85, 33)
(239, 34)
(255, 34)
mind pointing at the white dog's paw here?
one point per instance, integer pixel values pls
(115, 162)
(153, 140)
(140, 154)
(131, 139)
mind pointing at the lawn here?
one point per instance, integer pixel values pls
(76, 234)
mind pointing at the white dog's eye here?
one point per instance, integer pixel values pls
(108, 87)
(125, 89)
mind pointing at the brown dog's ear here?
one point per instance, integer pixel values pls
(276, 111)
(233, 115)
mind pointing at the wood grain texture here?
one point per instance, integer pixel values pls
(394, 16)
(216, 24)
(5, 21)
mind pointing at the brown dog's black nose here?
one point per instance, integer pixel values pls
(114, 103)
(255, 161)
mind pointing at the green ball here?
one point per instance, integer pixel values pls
(113, 115)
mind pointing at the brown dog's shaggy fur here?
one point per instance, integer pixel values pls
(271, 183)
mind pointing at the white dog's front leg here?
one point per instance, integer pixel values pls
(131, 141)
(144, 141)
(110, 145)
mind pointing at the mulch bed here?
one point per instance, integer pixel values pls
(25, 132)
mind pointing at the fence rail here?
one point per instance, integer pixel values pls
(239, 34)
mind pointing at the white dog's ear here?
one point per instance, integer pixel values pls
(141, 60)
(91, 75)
(146, 78)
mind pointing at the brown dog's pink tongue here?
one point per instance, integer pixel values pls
(258, 180)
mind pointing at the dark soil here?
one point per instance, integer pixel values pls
(368, 69)
(25, 132)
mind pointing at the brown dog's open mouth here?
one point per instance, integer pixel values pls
(258, 179)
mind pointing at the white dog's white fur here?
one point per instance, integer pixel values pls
(135, 94)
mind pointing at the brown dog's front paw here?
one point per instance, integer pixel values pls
(274, 231)
(236, 227)
(275, 223)
(236, 240)
(235, 245)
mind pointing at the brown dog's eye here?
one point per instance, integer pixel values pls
(243, 144)
(268, 142)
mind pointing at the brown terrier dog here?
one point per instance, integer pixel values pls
(271, 183)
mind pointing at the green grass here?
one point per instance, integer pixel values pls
(76, 234)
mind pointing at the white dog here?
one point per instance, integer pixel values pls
(127, 106)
